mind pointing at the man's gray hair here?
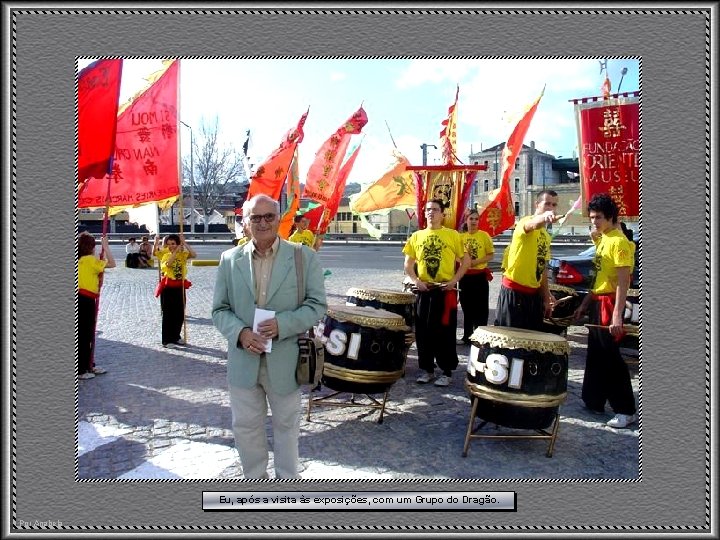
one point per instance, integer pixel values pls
(252, 202)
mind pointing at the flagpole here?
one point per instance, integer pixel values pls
(182, 211)
(391, 137)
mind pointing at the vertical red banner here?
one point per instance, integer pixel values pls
(98, 93)
(145, 164)
(609, 142)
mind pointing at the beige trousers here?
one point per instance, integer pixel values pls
(249, 411)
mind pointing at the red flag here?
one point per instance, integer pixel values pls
(609, 139)
(145, 166)
(270, 176)
(334, 202)
(98, 93)
(499, 213)
(448, 135)
(322, 175)
(315, 215)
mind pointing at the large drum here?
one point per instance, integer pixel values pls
(519, 376)
(364, 349)
(400, 302)
(567, 301)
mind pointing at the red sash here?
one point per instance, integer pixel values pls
(607, 305)
(475, 271)
(173, 283)
(88, 294)
(510, 284)
(449, 305)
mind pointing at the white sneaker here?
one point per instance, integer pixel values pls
(99, 370)
(443, 380)
(424, 378)
(86, 375)
(622, 420)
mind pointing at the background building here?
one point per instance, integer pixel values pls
(532, 172)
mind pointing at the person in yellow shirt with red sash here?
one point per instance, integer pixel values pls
(89, 269)
(171, 288)
(525, 297)
(474, 285)
(607, 378)
(435, 251)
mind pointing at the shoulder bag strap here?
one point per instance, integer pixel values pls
(299, 272)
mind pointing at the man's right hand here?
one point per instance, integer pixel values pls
(420, 285)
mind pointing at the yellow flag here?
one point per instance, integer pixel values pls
(394, 189)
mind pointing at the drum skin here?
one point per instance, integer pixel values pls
(402, 303)
(519, 382)
(370, 365)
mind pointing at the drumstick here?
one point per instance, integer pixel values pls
(565, 299)
(626, 327)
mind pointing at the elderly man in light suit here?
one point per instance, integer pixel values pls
(262, 274)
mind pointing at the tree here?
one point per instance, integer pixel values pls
(217, 168)
(351, 189)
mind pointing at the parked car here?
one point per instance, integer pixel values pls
(570, 278)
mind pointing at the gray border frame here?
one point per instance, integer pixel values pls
(674, 44)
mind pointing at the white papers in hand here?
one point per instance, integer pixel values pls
(260, 316)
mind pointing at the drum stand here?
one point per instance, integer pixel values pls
(542, 434)
(322, 401)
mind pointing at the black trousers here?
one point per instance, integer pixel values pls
(435, 341)
(173, 313)
(607, 377)
(519, 310)
(86, 332)
(474, 298)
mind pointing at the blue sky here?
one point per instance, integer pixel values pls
(411, 96)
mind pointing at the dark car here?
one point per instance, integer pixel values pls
(570, 278)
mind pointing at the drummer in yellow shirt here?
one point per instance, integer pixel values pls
(607, 378)
(524, 296)
(474, 285)
(302, 234)
(435, 250)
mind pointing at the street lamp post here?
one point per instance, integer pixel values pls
(192, 181)
(496, 168)
(424, 148)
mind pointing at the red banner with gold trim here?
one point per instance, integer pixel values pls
(145, 164)
(609, 142)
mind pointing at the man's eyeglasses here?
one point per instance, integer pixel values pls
(256, 218)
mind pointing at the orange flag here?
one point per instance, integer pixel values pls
(499, 212)
(270, 176)
(145, 165)
(322, 175)
(448, 135)
(332, 206)
(293, 199)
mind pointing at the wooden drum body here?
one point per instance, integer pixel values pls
(519, 376)
(365, 348)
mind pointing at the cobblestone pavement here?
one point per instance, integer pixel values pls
(164, 413)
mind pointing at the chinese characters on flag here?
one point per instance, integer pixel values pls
(609, 141)
(322, 175)
(145, 165)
